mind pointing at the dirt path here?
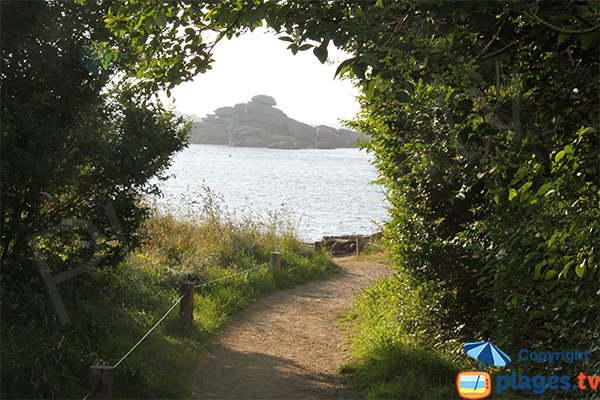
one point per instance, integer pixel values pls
(287, 345)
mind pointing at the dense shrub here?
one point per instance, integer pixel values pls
(491, 165)
(73, 147)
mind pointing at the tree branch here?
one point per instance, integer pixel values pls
(562, 30)
(495, 53)
(487, 46)
(222, 34)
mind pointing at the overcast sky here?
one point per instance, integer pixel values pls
(259, 63)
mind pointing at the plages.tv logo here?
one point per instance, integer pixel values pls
(474, 384)
(478, 384)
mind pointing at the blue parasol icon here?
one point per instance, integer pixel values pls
(487, 353)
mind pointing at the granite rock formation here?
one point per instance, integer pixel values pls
(258, 123)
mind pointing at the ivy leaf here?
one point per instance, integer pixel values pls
(544, 189)
(343, 66)
(321, 51)
(580, 269)
(511, 194)
(550, 274)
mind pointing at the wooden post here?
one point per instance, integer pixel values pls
(357, 245)
(318, 246)
(276, 260)
(186, 304)
(101, 381)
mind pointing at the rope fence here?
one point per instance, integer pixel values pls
(101, 376)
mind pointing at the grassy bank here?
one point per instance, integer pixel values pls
(397, 341)
(112, 307)
(393, 359)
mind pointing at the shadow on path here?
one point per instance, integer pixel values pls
(251, 375)
(287, 345)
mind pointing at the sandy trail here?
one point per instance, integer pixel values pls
(287, 345)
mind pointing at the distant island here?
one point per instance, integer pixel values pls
(258, 123)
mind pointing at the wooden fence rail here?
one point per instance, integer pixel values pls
(101, 377)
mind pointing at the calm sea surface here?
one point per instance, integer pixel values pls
(324, 192)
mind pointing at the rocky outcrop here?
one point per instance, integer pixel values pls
(263, 99)
(347, 244)
(258, 123)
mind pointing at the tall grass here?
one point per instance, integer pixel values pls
(393, 358)
(112, 307)
(395, 334)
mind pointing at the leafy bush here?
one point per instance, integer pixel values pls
(491, 162)
(73, 147)
(483, 120)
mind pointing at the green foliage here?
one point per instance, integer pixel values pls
(164, 44)
(483, 121)
(111, 308)
(483, 118)
(70, 145)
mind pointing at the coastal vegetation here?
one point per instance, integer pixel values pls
(483, 122)
(111, 308)
(394, 353)
(491, 166)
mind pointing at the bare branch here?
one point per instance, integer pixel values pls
(487, 46)
(495, 53)
(563, 30)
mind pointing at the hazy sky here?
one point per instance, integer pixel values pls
(259, 63)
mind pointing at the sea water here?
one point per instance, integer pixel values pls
(324, 192)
